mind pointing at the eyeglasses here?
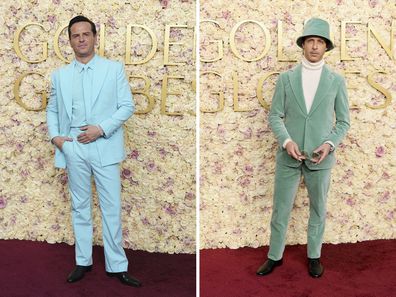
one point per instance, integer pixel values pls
(308, 156)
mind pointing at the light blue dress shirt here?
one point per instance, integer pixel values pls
(82, 90)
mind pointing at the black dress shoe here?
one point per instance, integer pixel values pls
(315, 269)
(268, 266)
(125, 278)
(78, 273)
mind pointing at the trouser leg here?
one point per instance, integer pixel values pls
(108, 185)
(287, 180)
(317, 183)
(79, 175)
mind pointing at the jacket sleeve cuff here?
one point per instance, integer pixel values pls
(286, 142)
(332, 146)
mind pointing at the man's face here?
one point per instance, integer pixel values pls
(314, 48)
(82, 40)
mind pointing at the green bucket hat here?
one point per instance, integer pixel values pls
(316, 27)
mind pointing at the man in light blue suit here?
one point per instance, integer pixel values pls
(90, 100)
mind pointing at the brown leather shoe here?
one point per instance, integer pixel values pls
(78, 273)
(315, 268)
(268, 267)
(125, 278)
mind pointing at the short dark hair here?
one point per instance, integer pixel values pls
(81, 18)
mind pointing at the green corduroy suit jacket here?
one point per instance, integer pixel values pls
(328, 119)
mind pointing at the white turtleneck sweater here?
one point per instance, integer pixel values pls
(310, 74)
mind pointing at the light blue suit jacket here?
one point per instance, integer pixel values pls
(112, 105)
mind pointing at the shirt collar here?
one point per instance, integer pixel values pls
(80, 66)
(312, 65)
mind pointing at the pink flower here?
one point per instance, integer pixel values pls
(218, 168)
(249, 168)
(19, 146)
(390, 215)
(134, 154)
(25, 173)
(163, 153)
(350, 202)
(239, 151)
(385, 175)
(244, 182)
(226, 14)
(247, 133)
(151, 166)
(164, 3)
(63, 178)
(145, 221)
(190, 196)
(373, 3)
(220, 130)
(3, 202)
(380, 151)
(169, 182)
(170, 210)
(52, 19)
(385, 197)
(112, 23)
(126, 173)
(55, 227)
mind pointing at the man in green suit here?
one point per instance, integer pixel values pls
(309, 117)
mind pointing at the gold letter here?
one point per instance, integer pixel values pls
(389, 50)
(235, 93)
(56, 43)
(351, 86)
(267, 41)
(344, 55)
(102, 39)
(164, 93)
(167, 43)
(260, 89)
(220, 93)
(381, 89)
(18, 98)
(144, 92)
(18, 49)
(281, 57)
(129, 43)
(219, 45)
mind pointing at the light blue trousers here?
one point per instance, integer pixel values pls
(82, 161)
(287, 180)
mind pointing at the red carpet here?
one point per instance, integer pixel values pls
(365, 269)
(40, 269)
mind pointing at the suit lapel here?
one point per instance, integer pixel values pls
(66, 85)
(296, 85)
(99, 77)
(325, 82)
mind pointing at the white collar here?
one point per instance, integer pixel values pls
(312, 65)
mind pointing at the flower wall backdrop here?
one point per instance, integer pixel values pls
(238, 149)
(158, 176)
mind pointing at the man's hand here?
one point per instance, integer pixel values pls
(90, 134)
(60, 140)
(293, 151)
(321, 153)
